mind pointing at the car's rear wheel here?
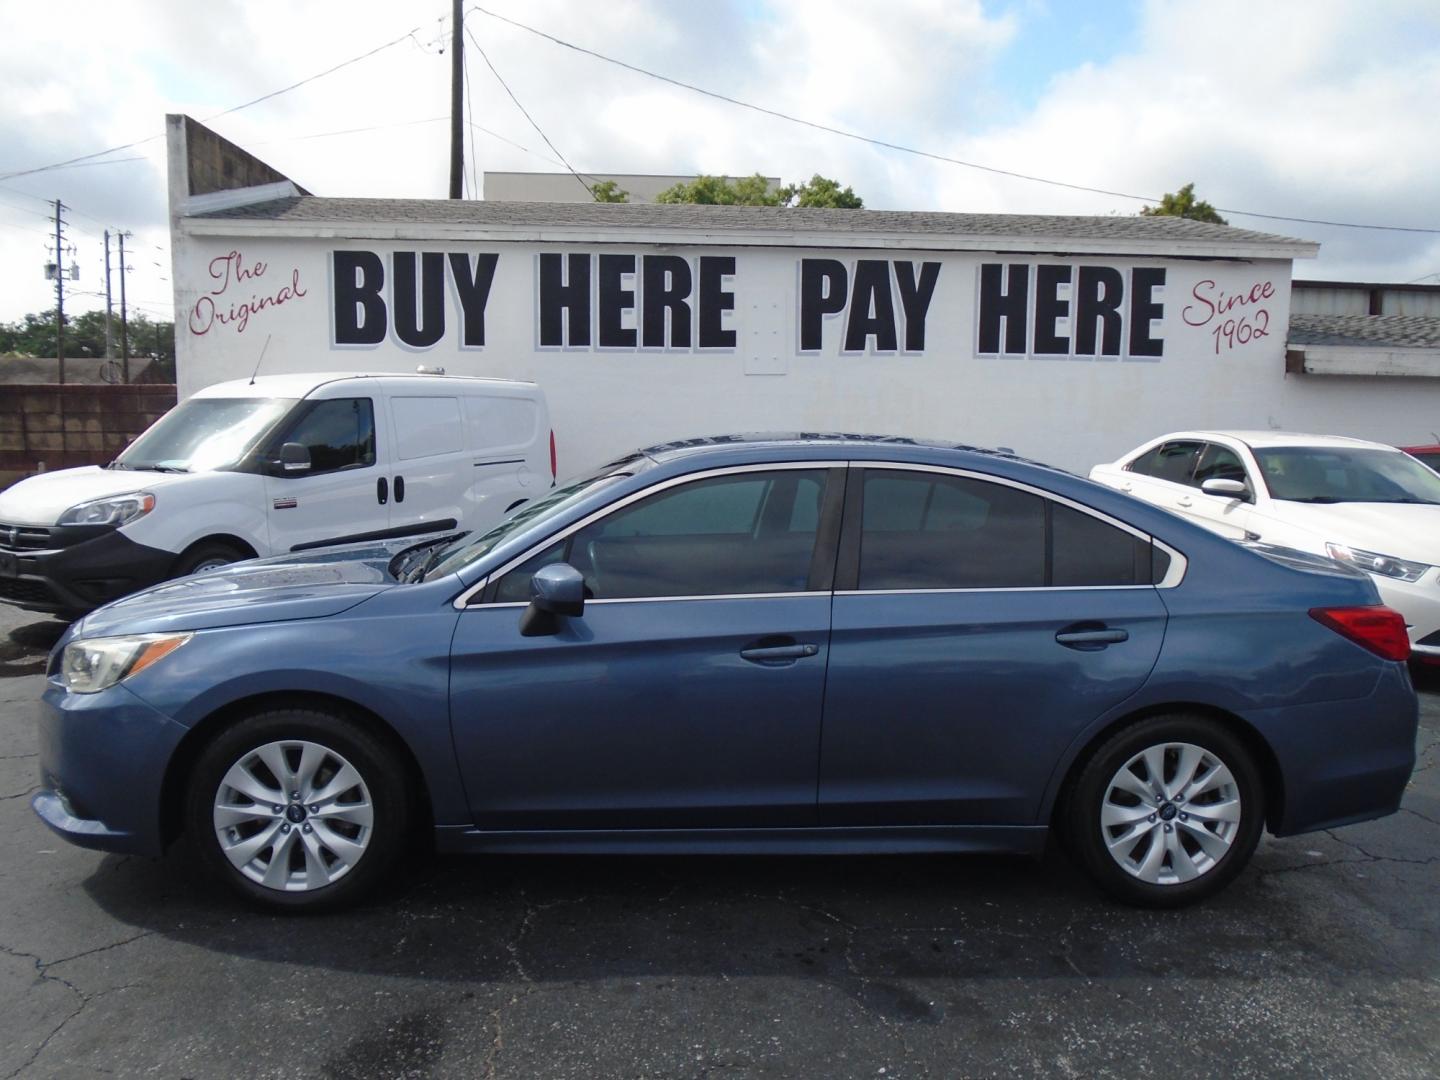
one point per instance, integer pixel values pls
(1167, 811)
(298, 808)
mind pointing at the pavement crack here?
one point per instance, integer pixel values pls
(42, 972)
(21, 794)
(1370, 856)
(1417, 813)
(100, 949)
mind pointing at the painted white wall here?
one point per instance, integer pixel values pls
(1070, 412)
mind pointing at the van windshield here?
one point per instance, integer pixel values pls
(202, 434)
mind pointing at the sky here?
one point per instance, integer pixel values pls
(1315, 109)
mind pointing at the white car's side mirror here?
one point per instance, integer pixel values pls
(1232, 489)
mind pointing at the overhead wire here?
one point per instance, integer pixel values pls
(899, 147)
(526, 113)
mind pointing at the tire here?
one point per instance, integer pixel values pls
(1182, 846)
(207, 555)
(334, 854)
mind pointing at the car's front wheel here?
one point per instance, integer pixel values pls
(298, 808)
(1167, 811)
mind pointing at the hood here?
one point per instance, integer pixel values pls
(40, 500)
(1405, 530)
(307, 586)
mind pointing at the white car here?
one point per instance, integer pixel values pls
(1362, 503)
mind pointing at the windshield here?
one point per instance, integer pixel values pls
(1318, 474)
(203, 434)
(466, 550)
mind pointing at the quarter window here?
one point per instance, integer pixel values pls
(746, 533)
(340, 434)
(1088, 551)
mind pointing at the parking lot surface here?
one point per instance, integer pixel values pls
(1322, 959)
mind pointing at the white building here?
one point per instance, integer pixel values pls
(1068, 339)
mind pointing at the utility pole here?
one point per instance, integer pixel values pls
(109, 307)
(59, 291)
(124, 318)
(457, 91)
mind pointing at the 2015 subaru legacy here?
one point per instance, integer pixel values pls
(751, 644)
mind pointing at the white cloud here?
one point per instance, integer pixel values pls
(1319, 110)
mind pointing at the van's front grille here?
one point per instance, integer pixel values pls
(24, 538)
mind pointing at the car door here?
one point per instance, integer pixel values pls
(978, 628)
(1229, 515)
(343, 494)
(1162, 474)
(688, 693)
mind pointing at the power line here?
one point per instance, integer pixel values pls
(884, 144)
(522, 109)
(350, 131)
(518, 146)
(214, 116)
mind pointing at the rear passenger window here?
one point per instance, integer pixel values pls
(928, 531)
(1088, 551)
(1172, 461)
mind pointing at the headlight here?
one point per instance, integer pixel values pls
(1375, 563)
(111, 510)
(87, 667)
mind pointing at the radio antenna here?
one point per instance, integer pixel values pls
(261, 360)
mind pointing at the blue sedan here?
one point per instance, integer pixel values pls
(809, 644)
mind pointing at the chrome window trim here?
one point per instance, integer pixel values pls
(462, 602)
(671, 599)
(1174, 574)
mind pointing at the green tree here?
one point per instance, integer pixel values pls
(34, 335)
(756, 191)
(821, 191)
(609, 191)
(1183, 203)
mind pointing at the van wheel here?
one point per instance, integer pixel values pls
(207, 555)
(298, 809)
(1166, 812)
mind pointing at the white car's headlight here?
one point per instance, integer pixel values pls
(111, 510)
(89, 666)
(1375, 563)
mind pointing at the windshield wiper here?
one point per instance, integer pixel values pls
(1318, 499)
(160, 468)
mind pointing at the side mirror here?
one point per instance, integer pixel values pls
(555, 590)
(294, 457)
(1229, 489)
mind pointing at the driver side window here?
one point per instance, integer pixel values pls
(747, 533)
(340, 434)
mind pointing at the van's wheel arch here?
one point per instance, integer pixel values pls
(208, 554)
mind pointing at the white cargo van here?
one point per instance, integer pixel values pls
(272, 465)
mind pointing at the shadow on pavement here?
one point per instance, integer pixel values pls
(24, 649)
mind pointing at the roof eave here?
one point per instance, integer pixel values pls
(472, 232)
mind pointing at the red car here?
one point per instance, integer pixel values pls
(1430, 455)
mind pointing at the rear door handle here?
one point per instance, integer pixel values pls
(1184, 500)
(1097, 638)
(760, 654)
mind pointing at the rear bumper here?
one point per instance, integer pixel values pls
(1343, 761)
(80, 569)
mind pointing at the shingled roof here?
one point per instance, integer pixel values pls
(1117, 231)
(1366, 331)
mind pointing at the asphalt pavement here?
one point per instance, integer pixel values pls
(1322, 959)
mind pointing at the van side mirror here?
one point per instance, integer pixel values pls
(1229, 489)
(294, 457)
(555, 590)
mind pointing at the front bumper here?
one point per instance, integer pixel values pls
(71, 569)
(102, 768)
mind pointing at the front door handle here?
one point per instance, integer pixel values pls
(1184, 500)
(759, 653)
(382, 491)
(1090, 638)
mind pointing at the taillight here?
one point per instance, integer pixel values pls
(554, 472)
(1379, 629)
